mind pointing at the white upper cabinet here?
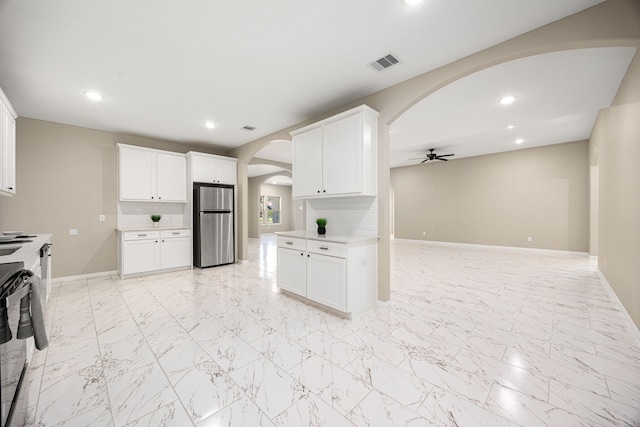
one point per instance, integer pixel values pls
(337, 156)
(7, 147)
(151, 175)
(172, 177)
(213, 169)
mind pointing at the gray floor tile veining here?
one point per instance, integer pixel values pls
(472, 336)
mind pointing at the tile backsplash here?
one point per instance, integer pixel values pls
(137, 214)
(345, 215)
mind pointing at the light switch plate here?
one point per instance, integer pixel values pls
(73, 232)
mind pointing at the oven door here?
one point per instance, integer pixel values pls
(13, 358)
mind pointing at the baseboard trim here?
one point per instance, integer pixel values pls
(491, 247)
(383, 304)
(83, 276)
(623, 310)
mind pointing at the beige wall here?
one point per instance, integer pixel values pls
(66, 178)
(256, 189)
(615, 150)
(498, 199)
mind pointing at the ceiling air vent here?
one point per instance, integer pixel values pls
(384, 62)
(248, 128)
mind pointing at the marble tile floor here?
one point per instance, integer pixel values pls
(471, 337)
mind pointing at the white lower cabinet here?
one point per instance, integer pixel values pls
(175, 249)
(326, 281)
(292, 270)
(151, 251)
(140, 256)
(340, 276)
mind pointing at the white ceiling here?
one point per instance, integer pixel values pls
(558, 96)
(165, 67)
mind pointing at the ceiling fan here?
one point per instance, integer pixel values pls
(433, 156)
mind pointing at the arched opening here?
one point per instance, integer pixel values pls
(480, 200)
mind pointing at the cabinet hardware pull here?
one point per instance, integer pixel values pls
(289, 243)
(175, 233)
(324, 248)
(142, 235)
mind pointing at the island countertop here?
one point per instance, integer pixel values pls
(336, 238)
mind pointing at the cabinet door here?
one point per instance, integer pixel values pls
(342, 155)
(307, 164)
(140, 256)
(136, 173)
(292, 271)
(326, 281)
(203, 169)
(226, 171)
(175, 252)
(172, 178)
(7, 150)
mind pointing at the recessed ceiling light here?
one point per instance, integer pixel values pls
(510, 127)
(209, 125)
(412, 2)
(94, 96)
(519, 141)
(507, 100)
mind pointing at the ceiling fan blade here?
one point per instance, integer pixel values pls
(423, 161)
(445, 155)
(417, 158)
(444, 160)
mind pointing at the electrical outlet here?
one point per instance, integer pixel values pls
(102, 218)
(73, 232)
(530, 239)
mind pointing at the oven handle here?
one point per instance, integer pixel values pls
(15, 297)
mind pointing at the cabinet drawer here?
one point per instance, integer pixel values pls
(140, 235)
(291, 243)
(327, 248)
(175, 233)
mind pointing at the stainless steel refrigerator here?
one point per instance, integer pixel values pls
(213, 242)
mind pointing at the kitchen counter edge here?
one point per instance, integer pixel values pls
(127, 229)
(348, 239)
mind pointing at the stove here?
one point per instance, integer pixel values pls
(16, 241)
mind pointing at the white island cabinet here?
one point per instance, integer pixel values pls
(337, 272)
(145, 251)
(148, 175)
(337, 156)
(7, 147)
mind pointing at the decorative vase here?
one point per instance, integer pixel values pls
(322, 230)
(156, 224)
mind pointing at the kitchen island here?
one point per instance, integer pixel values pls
(338, 272)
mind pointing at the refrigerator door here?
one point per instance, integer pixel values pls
(215, 246)
(215, 199)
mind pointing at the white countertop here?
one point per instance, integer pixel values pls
(177, 227)
(349, 239)
(26, 250)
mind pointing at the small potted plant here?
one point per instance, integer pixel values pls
(322, 223)
(156, 220)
